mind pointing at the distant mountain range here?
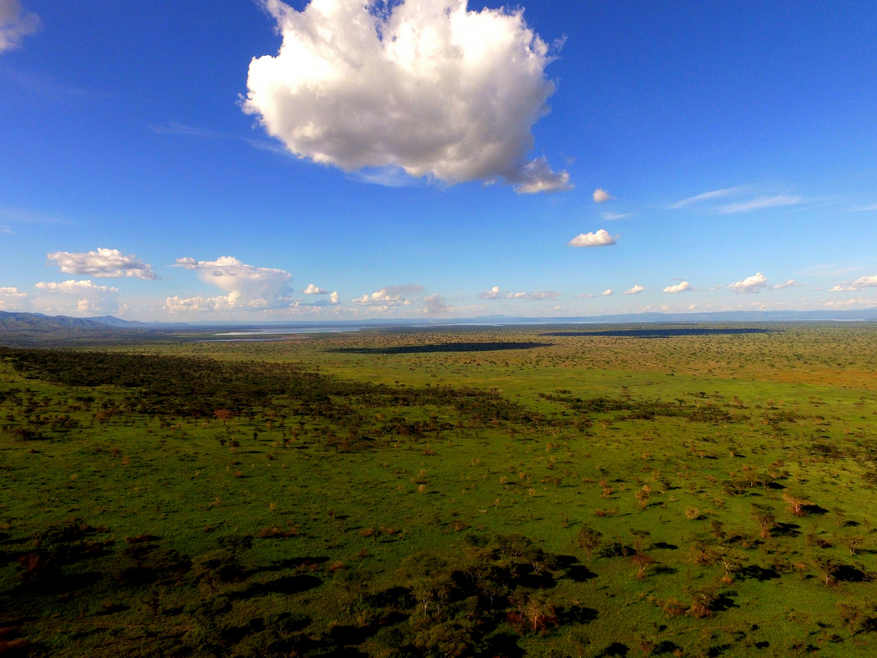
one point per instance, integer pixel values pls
(36, 328)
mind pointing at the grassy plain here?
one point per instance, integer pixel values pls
(437, 492)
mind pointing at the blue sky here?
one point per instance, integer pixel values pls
(705, 156)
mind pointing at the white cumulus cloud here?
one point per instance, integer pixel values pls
(493, 293)
(682, 286)
(599, 239)
(750, 284)
(389, 297)
(89, 297)
(12, 299)
(859, 284)
(602, 196)
(634, 291)
(248, 287)
(607, 293)
(428, 87)
(108, 263)
(536, 295)
(334, 298)
(313, 290)
(15, 24)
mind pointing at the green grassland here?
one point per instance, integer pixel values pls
(443, 492)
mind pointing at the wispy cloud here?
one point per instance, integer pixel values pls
(826, 270)
(536, 295)
(634, 291)
(706, 196)
(386, 177)
(761, 202)
(15, 24)
(870, 208)
(11, 215)
(206, 133)
(612, 216)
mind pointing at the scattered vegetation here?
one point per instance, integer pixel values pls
(384, 494)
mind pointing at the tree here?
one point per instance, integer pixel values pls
(796, 504)
(589, 539)
(852, 542)
(642, 562)
(765, 518)
(829, 567)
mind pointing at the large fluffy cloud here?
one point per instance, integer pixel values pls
(89, 297)
(248, 287)
(12, 299)
(425, 86)
(110, 263)
(599, 239)
(15, 24)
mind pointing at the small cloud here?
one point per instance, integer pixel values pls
(333, 298)
(12, 299)
(859, 284)
(791, 283)
(599, 239)
(602, 196)
(313, 290)
(751, 284)
(682, 286)
(633, 291)
(761, 202)
(493, 293)
(612, 216)
(435, 305)
(103, 263)
(607, 292)
(389, 297)
(584, 295)
(870, 208)
(536, 176)
(15, 24)
(706, 196)
(5, 229)
(536, 295)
